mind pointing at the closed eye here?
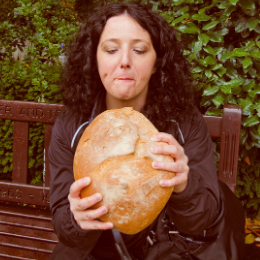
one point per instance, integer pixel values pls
(111, 51)
(139, 51)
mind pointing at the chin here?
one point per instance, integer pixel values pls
(124, 96)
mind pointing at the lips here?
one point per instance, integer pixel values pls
(124, 79)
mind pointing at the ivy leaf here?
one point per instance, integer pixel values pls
(257, 29)
(252, 23)
(201, 17)
(226, 89)
(236, 91)
(210, 90)
(218, 99)
(217, 66)
(255, 54)
(186, 52)
(251, 121)
(233, 2)
(210, 61)
(210, 25)
(208, 73)
(190, 28)
(197, 47)
(223, 5)
(223, 31)
(229, 10)
(248, 85)
(246, 104)
(253, 93)
(215, 37)
(242, 25)
(231, 99)
(253, 73)
(179, 19)
(177, 2)
(205, 101)
(214, 112)
(182, 11)
(233, 83)
(197, 70)
(247, 62)
(248, 45)
(254, 133)
(232, 73)
(239, 52)
(247, 4)
(204, 38)
(221, 71)
(245, 33)
(191, 57)
(210, 50)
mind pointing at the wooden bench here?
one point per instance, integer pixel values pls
(27, 233)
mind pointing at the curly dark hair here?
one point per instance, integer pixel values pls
(169, 95)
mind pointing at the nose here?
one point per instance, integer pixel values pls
(125, 62)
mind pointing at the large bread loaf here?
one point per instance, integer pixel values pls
(114, 151)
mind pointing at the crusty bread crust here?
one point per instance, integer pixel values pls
(114, 151)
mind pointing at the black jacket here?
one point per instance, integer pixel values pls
(192, 211)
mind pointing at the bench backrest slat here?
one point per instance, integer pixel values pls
(29, 111)
(20, 151)
(47, 140)
(229, 147)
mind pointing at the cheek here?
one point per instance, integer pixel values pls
(105, 68)
(146, 70)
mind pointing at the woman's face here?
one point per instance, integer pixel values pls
(126, 60)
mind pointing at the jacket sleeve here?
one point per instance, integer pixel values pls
(198, 206)
(61, 168)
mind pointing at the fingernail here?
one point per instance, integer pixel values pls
(153, 149)
(155, 164)
(98, 196)
(154, 138)
(110, 225)
(104, 209)
(86, 180)
(163, 183)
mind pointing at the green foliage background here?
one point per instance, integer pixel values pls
(222, 42)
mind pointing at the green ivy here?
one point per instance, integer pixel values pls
(40, 29)
(222, 43)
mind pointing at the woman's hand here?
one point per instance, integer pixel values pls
(87, 218)
(179, 166)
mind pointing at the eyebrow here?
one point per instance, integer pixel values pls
(118, 41)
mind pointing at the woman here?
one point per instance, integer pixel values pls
(126, 55)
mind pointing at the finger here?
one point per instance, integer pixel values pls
(94, 213)
(174, 151)
(177, 167)
(77, 186)
(164, 137)
(87, 202)
(96, 225)
(175, 181)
